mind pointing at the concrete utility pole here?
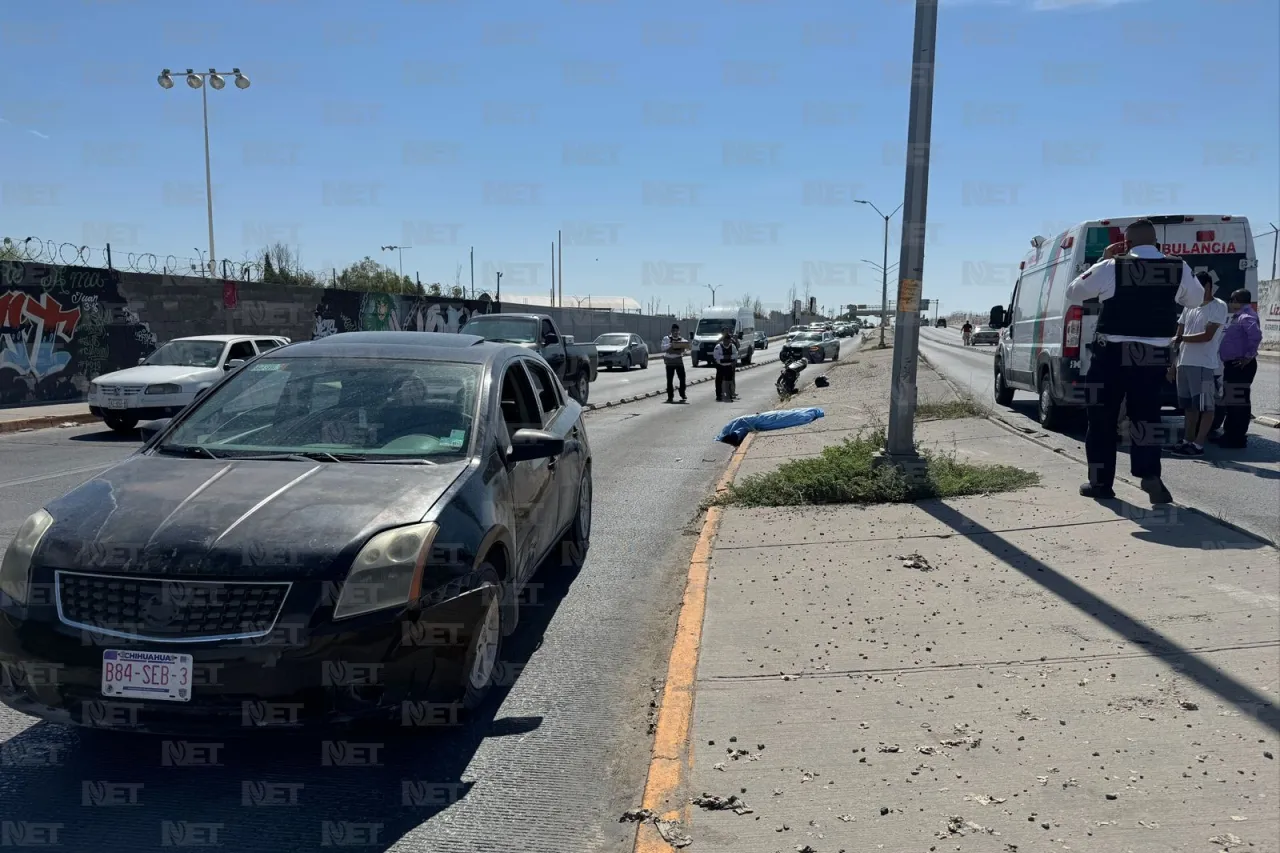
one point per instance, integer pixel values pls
(498, 295)
(906, 344)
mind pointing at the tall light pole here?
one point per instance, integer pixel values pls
(400, 251)
(900, 446)
(196, 80)
(498, 294)
(713, 288)
(884, 267)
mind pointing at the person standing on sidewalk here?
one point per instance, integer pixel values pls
(1239, 356)
(726, 357)
(1140, 289)
(1197, 340)
(673, 349)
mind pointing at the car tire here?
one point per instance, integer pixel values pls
(577, 539)
(120, 423)
(1048, 412)
(1003, 393)
(483, 659)
(644, 365)
(626, 364)
(581, 387)
(693, 361)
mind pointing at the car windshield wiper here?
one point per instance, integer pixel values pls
(391, 460)
(302, 456)
(187, 450)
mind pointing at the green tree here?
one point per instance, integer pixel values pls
(433, 289)
(368, 275)
(281, 264)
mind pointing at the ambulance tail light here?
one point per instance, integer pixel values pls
(1072, 329)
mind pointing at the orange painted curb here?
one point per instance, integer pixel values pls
(672, 749)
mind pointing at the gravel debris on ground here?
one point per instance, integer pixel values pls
(712, 802)
(916, 561)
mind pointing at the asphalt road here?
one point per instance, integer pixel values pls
(549, 765)
(1240, 486)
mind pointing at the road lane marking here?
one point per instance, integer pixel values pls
(672, 758)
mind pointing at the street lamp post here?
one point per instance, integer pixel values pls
(884, 267)
(498, 294)
(400, 251)
(900, 445)
(713, 288)
(196, 80)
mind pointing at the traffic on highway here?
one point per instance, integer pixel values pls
(350, 575)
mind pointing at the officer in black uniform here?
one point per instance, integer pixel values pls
(1142, 292)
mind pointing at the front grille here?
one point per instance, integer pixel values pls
(166, 609)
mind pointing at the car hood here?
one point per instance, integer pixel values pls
(150, 374)
(173, 516)
(608, 349)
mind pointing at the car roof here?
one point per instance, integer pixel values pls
(424, 346)
(225, 338)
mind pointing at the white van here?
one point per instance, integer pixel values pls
(1044, 340)
(713, 322)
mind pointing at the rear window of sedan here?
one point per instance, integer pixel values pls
(345, 406)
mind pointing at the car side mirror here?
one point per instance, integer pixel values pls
(529, 444)
(997, 318)
(151, 429)
(234, 363)
(549, 339)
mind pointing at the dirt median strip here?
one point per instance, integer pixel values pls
(591, 407)
(672, 750)
(45, 421)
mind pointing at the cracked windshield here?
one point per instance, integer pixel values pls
(614, 427)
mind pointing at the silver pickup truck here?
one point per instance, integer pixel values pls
(576, 364)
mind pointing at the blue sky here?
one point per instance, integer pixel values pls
(676, 144)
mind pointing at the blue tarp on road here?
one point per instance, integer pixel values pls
(736, 430)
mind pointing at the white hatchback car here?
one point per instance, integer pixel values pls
(166, 381)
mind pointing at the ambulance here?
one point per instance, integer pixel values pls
(1044, 339)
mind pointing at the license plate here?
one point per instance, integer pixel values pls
(146, 675)
(115, 403)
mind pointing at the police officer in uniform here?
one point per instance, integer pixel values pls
(725, 356)
(1142, 292)
(673, 348)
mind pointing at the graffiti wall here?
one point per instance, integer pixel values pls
(349, 311)
(60, 327)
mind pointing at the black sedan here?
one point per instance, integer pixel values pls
(813, 345)
(338, 530)
(762, 340)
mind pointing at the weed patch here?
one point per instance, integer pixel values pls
(851, 473)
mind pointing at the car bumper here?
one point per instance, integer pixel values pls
(142, 413)
(984, 339)
(395, 668)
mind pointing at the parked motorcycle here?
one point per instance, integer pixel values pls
(786, 383)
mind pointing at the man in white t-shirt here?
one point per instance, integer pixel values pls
(1199, 334)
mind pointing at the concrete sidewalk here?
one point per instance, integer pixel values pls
(40, 417)
(1027, 671)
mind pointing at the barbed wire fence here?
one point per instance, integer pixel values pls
(35, 250)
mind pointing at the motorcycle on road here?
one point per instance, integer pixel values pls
(786, 383)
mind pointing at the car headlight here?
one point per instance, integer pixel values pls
(388, 570)
(166, 388)
(15, 571)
